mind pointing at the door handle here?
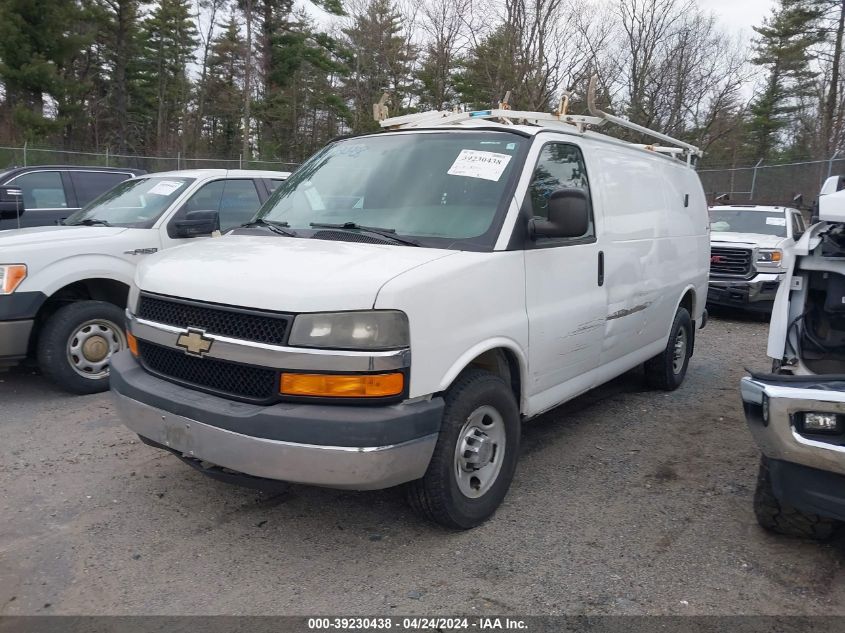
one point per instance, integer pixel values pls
(601, 268)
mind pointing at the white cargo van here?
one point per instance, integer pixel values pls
(414, 295)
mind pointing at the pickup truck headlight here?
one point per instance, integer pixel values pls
(11, 276)
(364, 330)
(769, 257)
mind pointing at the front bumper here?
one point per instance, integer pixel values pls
(806, 473)
(757, 293)
(351, 447)
(17, 318)
(777, 437)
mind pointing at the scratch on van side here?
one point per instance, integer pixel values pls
(627, 311)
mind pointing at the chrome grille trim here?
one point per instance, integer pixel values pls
(273, 356)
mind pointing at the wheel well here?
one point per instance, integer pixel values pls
(107, 290)
(688, 302)
(501, 362)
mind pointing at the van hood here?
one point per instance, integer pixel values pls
(282, 274)
(54, 236)
(750, 239)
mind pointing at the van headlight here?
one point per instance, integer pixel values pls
(769, 257)
(11, 276)
(363, 330)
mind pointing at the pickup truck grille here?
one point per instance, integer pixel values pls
(249, 325)
(253, 384)
(730, 262)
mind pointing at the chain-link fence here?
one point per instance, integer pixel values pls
(771, 184)
(27, 156)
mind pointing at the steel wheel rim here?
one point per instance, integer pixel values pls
(679, 353)
(91, 346)
(480, 452)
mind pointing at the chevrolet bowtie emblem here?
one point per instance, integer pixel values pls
(194, 342)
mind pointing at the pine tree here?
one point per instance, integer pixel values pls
(382, 59)
(784, 49)
(221, 123)
(170, 39)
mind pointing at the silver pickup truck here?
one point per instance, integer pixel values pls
(796, 413)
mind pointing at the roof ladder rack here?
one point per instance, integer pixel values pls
(503, 115)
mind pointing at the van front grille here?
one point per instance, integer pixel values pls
(730, 262)
(249, 325)
(244, 382)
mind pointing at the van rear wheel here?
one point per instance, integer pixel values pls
(667, 370)
(76, 345)
(475, 457)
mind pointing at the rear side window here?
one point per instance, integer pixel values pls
(42, 190)
(92, 184)
(560, 166)
(274, 184)
(237, 201)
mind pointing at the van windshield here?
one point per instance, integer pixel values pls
(741, 221)
(137, 202)
(441, 189)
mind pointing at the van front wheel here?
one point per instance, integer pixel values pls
(667, 370)
(475, 457)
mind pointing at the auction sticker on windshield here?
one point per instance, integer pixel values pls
(165, 188)
(776, 221)
(474, 163)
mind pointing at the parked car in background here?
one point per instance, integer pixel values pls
(406, 299)
(797, 413)
(749, 250)
(53, 192)
(63, 288)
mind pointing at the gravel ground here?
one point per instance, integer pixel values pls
(625, 502)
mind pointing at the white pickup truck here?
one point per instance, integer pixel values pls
(749, 250)
(63, 288)
(796, 413)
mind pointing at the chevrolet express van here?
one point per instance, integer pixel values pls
(407, 299)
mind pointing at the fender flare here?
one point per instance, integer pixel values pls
(463, 361)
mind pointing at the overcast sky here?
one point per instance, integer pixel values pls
(739, 14)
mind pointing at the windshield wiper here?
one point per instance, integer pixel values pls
(375, 230)
(276, 227)
(91, 222)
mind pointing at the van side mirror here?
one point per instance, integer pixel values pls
(569, 215)
(197, 223)
(11, 203)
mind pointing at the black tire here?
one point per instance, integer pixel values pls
(782, 518)
(54, 339)
(661, 371)
(437, 496)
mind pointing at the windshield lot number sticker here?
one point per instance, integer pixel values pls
(776, 221)
(474, 163)
(165, 188)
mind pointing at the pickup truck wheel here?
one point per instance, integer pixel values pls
(667, 370)
(782, 518)
(77, 342)
(475, 457)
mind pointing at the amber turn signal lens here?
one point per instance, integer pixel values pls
(777, 256)
(132, 342)
(342, 386)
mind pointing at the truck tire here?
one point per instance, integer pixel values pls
(77, 342)
(476, 453)
(667, 370)
(782, 518)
